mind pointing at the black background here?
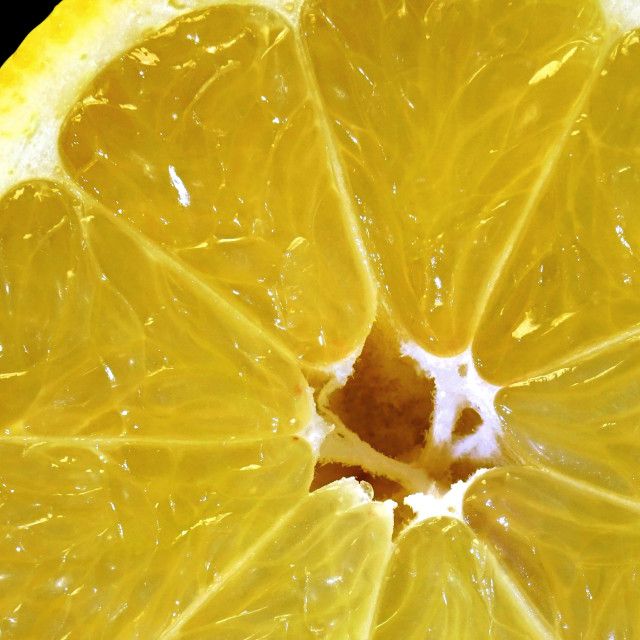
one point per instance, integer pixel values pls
(25, 16)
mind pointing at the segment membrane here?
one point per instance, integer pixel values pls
(205, 139)
(447, 116)
(99, 336)
(573, 552)
(114, 539)
(576, 280)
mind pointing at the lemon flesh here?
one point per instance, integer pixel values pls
(213, 212)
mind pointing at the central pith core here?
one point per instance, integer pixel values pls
(406, 421)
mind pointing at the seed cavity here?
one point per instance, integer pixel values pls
(406, 423)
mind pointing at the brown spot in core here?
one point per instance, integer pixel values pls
(463, 469)
(383, 488)
(386, 401)
(445, 470)
(467, 423)
(326, 473)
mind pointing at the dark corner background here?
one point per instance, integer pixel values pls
(25, 15)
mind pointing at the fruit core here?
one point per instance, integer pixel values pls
(406, 421)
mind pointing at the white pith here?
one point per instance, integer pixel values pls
(457, 385)
(448, 504)
(626, 13)
(316, 432)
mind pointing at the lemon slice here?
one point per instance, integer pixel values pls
(246, 247)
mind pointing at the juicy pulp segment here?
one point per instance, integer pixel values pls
(205, 138)
(115, 538)
(315, 575)
(447, 116)
(575, 281)
(553, 421)
(574, 551)
(443, 583)
(100, 336)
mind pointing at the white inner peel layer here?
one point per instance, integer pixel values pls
(316, 432)
(625, 13)
(450, 504)
(458, 385)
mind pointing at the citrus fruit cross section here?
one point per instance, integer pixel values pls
(321, 319)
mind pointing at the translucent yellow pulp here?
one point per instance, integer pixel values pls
(237, 196)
